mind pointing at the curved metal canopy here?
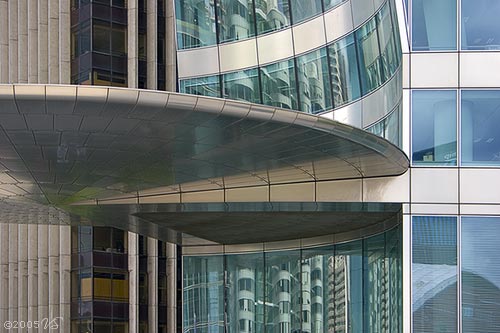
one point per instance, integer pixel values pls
(62, 146)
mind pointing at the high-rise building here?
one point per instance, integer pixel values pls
(269, 166)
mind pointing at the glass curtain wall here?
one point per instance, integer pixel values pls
(208, 22)
(314, 82)
(203, 285)
(434, 127)
(237, 20)
(344, 71)
(434, 274)
(480, 138)
(271, 15)
(279, 85)
(243, 85)
(434, 25)
(480, 25)
(350, 287)
(302, 10)
(318, 81)
(195, 23)
(369, 58)
(480, 274)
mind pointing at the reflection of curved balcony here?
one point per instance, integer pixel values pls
(196, 32)
(281, 75)
(240, 22)
(281, 100)
(276, 19)
(241, 82)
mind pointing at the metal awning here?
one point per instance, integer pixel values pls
(68, 148)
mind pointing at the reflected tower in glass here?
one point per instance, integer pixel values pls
(350, 287)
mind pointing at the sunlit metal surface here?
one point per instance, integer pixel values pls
(67, 145)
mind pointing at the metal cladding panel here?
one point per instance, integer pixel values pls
(65, 149)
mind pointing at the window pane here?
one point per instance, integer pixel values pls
(279, 85)
(434, 274)
(390, 59)
(480, 25)
(302, 10)
(344, 71)
(348, 287)
(101, 41)
(392, 127)
(369, 56)
(271, 15)
(375, 288)
(203, 294)
(206, 86)
(318, 289)
(243, 85)
(434, 25)
(434, 138)
(480, 123)
(314, 82)
(245, 292)
(480, 274)
(236, 19)
(283, 290)
(195, 23)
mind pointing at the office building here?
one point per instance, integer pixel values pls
(249, 165)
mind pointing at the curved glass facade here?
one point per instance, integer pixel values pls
(208, 22)
(390, 127)
(318, 81)
(349, 287)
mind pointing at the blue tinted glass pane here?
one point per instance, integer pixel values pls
(203, 299)
(369, 56)
(344, 71)
(480, 124)
(236, 19)
(271, 15)
(205, 86)
(434, 25)
(434, 138)
(279, 86)
(480, 274)
(195, 23)
(243, 85)
(434, 274)
(302, 10)
(314, 82)
(480, 25)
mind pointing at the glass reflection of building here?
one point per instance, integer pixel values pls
(350, 287)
